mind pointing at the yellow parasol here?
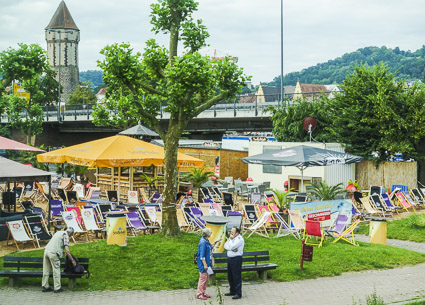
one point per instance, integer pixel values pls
(115, 151)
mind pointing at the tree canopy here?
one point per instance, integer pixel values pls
(185, 85)
(377, 116)
(28, 64)
(83, 94)
(406, 64)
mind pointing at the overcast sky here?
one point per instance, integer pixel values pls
(315, 31)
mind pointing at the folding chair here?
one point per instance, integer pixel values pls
(255, 198)
(156, 198)
(89, 219)
(183, 224)
(150, 211)
(376, 199)
(388, 205)
(77, 212)
(62, 195)
(259, 227)
(300, 198)
(65, 183)
(285, 229)
(368, 207)
(19, 233)
(410, 200)
(403, 203)
(143, 195)
(348, 232)
(228, 198)
(71, 222)
(93, 193)
(235, 220)
(112, 196)
(136, 223)
(79, 189)
(37, 228)
(132, 197)
(225, 209)
(375, 190)
(416, 195)
(338, 226)
(251, 213)
(296, 219)
(218, 208)
(198, 214)
(313, 228)
(270, 220)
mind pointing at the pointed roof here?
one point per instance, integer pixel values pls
(139, 130)
(62, 19)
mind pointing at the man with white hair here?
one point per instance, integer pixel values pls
(51, 262)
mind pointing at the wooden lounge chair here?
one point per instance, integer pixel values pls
(403, 203)
(349, 232)
(285, 229)
(71, 221)
(136, 223)
(19, 233)
(89, 219)
(132, 197)
(296, 219)
(259, 227)
(36, 225)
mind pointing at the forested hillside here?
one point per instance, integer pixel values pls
(406, 64)
(92, 76)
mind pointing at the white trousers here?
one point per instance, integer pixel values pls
(51, 263)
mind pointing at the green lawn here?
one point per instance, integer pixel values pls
(410, 228)
(154, 262)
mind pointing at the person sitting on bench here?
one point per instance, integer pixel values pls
(51, 261)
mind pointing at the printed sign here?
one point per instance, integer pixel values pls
(116, 228)
(323, 211)
(218, 232)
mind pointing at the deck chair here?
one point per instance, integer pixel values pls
(416, 195)
(349, 232)
(62, 195)
(217, 193)
(136, 223)
(259, 227)
(150, 211)
(375, 190)
(71, 196)
(132, 197)
(37, 228)
(403, 203)
(300, 198)
(368, 207)
(225, 209)
(206, 211)
(250, 213)
(156, 198)
(76, 211)
(410, 200)
(338, 226)
(183, 224)
(296, 219)
(270, 220)
(388, 205)
(193, 220)
(228, 198)
(217, 208)
(376, 199)
(56, 208)
(198, 214)
(143, 195)
(89, 219)
(65, 183)
(19, 233)
(112, 196)
(285, 229)
(356, 214)
(79, 189)
(313, 228)
(93, 193)
(71, 221)
(255, 198)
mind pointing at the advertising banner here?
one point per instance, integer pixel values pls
(323, 211)
(218, 231)
(116, 228)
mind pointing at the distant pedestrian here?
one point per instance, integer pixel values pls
(234, 246)
(203, 259)
(51, 262)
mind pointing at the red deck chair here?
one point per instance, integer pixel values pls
(313, 228)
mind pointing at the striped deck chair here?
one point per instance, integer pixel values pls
(259, 227)
(349, 232)
(403, 203)
(313, 228)
(19, 233)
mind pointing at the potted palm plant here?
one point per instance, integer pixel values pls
(151, 182)
(282, 202)
(197, 177)
(326, 192)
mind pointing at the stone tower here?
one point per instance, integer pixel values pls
(62, 36)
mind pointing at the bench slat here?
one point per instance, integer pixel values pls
(252, 253)
(34, 265)
(38, 259)
(32, 273)
(259, 267)
(244, 259)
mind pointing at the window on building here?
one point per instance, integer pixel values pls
(271, 169)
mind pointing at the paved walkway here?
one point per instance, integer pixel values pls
(396, 286)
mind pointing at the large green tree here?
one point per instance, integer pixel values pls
(183, 84)
(28, 64)
(82, 95)
(377, 116)
(288, 122)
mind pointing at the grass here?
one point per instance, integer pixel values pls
(154, 262)
(411, 228)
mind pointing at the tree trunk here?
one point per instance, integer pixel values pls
(170, 226)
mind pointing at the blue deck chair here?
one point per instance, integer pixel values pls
(136, 223)
(339, 225)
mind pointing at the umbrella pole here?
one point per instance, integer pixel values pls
(119, 183)
(302, 179)
(131, 170)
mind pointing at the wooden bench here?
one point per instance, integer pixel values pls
(248, 257)
(33, 267)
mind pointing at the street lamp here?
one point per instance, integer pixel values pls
(282, 91)
(59, 69)
(83, 93)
